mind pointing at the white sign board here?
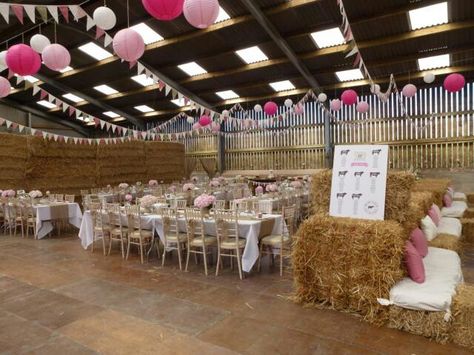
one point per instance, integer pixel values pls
(359, 179)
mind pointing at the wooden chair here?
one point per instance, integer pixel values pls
(15, 217)
(30, 220)
(228, 241)
(198, 241)
(178, 204)
(95, 191)
(265, 206)
(59, 197)
(100, 228)
(69, 198)
(136, 235)
(219, 205)
(280, 242)
(173, 238)
(118, 232)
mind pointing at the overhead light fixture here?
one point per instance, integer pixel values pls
(428, 16)
(349, 75)
(105, 89)
(437, 61)
(283, 85)
(46, 104)
(223, 15)
(192, 69)
(65, 70)
(251, 55)
(328, 38)
(95, 51)
(143, 80)
(144, 108)
(227, 94)
(73, 98)
(111, 114)
(148, 34)
(178, 102)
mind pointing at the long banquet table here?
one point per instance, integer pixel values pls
(251, 229)
(46, 213)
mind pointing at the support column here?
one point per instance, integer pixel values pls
(221, 151)
(328, 141)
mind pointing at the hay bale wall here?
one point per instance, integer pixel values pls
(437, 186)
(164, 161)
(346, 264)
(398, 191)
(13, 156)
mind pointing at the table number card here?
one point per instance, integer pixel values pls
(359, 179)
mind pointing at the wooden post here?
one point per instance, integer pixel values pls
(328, 141)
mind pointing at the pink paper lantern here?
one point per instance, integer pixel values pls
(454, 82)
(129, 45)
(205, 120)
(5, 87)
(349, 97)
(165, 10)
(362, 107)
(23, 60)
(215, 127)
(196, 126)
(201, 13)
(335, 105)
(56, 57)
(409, 90)
(299, 110)
(270, 108)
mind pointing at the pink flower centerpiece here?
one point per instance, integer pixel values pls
(259, 190)
(172, 189)
(8, 193)
(204, 201)
(296, 184)
(271, 188)
(148, 201)
(128, 197)
(152, 183)
(35, 194)
(123, 186)
(188, 187)
(214, 183)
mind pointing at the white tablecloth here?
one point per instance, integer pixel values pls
(44, 223)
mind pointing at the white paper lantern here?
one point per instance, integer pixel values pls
(104, 18)
(225, 113)
(429, 78)
(322, 97)
(375, 89)
(3, 63)
(288, 103)
(190, 120)
(39, 42)
(258, 108)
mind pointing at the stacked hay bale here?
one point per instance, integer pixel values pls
(437, 186)
(13, 154)
(462, 331)
(62, 167)
(164, 161)
(419, 204)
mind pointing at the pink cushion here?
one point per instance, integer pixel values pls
(434, 216)
(437, 210)
(414, 263)
(418, 239)
(447, 200)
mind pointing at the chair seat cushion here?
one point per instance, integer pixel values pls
(182, 237)
(116, 230)
(231, 244)
(452, 226)
(144, 234)
(274, 240)
(456, 210)
(459, 196)
(208, 240)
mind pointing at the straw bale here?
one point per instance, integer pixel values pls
(470, 198)
(164, 161)
(447, 241)
(462, 308)
(13, 154)
(346, 264)
(469, 213)
(398, 192)
(428, 324)
(468, 229)
(420, 203)
(437, 186)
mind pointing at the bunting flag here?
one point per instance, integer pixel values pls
(30, 9)
(18, 11)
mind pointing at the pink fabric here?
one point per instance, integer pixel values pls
(447, 200)
(434, 216)
(414, 263)
(437, 210)
(418, 239)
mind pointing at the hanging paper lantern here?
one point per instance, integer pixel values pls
(196, 126)
(225, 113)
(104, 18)
(429, 78)
(3, 55)
(362, 107)
(215, 127)
(39, 42)
(335, 105)
(164, 10)
(454, 82)
(349, 97)
(190, 120)
(5, 87)
(23, 60)
(299, 109)
(409, 90)
(258, 108)
(205, 120)
(322, 97)
(201, 13)
(288, 103)
(375, 88)
(129, 45)
(56, 57)
(270, 108)
(384, 98)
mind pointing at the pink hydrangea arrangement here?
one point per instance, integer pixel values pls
(152, 183)
(221, 179)
(188, 187)
(259, 190)
(204, 201)
(128, 197)
(8, 193)
(123, 185)
(296, 184)
(35, 194)
(172, 189)
(214, 183)
(148, 201)
(271, 188)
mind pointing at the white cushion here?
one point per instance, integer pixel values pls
(429, 228)
(442, 275)
(456, 210)
(460, 196)
(448, 225)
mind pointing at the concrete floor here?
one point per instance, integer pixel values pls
(56, 298)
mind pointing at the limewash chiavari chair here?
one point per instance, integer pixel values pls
(178, 204)
(265, 206)
(219, 205)
(228, 241)
(136, 235)
(173, 239)
(30, 220)
(69, 198)
(59, 197)
(100, 228)
(95, 191)
(198, 241)
(16, 220)
(279, 243)
(118, 232)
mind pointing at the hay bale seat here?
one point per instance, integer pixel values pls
(447, 241)
(346, 264)
(437, 186)
(469, 213)
(462, 331)
(470, 198)
(399, 185)
(456, 210)
(468, 229)
(420, 203)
